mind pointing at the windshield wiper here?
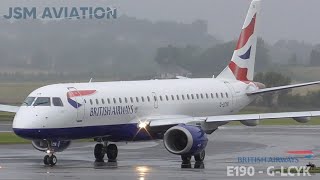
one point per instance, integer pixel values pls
(40, 103)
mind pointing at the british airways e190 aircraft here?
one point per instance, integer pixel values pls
(181, 112)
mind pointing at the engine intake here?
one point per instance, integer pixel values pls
(185, 139)
(57, 146)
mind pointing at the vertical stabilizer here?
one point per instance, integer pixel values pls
(242, 63)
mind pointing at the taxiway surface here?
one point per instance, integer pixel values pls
(150, 160)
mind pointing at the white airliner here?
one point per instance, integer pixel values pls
(180, 111)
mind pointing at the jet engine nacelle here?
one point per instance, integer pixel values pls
(185, 139)
(302, 119)
(250, 123)
(56, 146)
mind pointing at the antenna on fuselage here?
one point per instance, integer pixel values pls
(90, 80)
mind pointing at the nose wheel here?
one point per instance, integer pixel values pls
(50, 160)
(101, 149)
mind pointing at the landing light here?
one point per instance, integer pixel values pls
(143, 124)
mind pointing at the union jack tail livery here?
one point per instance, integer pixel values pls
(241, 66)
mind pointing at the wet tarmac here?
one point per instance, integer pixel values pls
(150, 160)
(5, 126)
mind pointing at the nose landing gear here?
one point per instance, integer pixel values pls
(50, 160)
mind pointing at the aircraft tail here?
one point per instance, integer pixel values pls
(242, 63)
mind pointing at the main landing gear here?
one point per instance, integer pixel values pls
(199, 158)
(101, 149)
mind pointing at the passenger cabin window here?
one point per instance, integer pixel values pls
(207, 96)
(114, 100)
(192, 96)
(108, 101)
(120, 100)
(172, 97)
(201, 95)
(188, 96)
(160, 98)
(42, 101)
(182, 97)
(131, 99)
(212, 95)
(227, 95)
(28, 101)
(142, 98)
(126, 100)
(217, 95)
(197, 96)
(222, 95)
(137, 99)
(91, 101)
(167, 98)
(102, 100)
(178, 97)
(148, 98)
(57, 101)
(97, 101)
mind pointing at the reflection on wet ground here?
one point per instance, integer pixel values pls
(150, 160)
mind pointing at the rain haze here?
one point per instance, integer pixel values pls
(162, 37)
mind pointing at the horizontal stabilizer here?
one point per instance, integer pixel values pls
(279, 88)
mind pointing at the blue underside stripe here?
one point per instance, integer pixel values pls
(123, 132)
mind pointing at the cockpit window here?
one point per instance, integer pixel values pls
(57, 101)
(42, 101)
(28, 101)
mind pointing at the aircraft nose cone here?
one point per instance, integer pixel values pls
(23, 125)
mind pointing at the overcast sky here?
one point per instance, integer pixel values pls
(281, 19)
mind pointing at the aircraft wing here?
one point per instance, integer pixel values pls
(227, 118)
(262, 116)
(9, 108)
(279, 88)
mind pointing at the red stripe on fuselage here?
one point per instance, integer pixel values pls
(246, 33)
(80, 93)
(239, 73)
(302, 152)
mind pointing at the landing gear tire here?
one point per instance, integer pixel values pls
(112, 152)
(52, 160)
(200, 157)
(46, 160)
(99, 152)
(186, 159)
